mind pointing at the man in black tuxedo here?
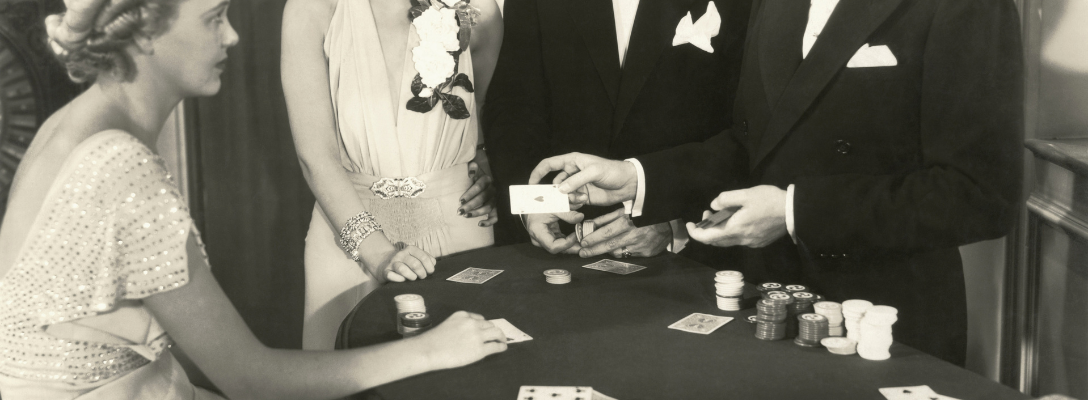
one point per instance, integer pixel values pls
(596, 76)
(865, 169)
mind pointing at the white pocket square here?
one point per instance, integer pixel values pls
(876, 56)
(699, 32)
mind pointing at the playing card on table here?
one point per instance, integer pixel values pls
(912, 393)
(615, 267)
(513, 335)
(537, 199)
(474, 275)
(700, 323)
(555, 393)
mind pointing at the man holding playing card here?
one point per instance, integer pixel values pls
(615, 78)
(877, 137)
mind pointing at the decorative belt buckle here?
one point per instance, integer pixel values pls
(389, 188)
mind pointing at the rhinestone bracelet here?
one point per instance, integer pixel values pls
(355, 230)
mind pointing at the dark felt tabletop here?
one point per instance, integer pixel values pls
(610, 332)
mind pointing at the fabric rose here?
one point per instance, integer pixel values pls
(433, 63)
(438, 26)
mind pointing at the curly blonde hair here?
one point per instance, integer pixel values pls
(117, 24)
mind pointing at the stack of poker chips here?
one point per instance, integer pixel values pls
(768, 287)
(729, 287)
(811, 330)
(802, 304)
(840, 345)
(791, 289)
(833, 312)
(771, 314)
(414, 323)
(557, 276)
(408, 303)
(876, 333)
(852, 312)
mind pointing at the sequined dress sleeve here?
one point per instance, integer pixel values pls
(111, 231)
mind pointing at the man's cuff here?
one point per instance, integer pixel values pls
(679, 236)
(635, 207)
(789, 214)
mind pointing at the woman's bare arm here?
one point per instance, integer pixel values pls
(305, 76)
(203, 322)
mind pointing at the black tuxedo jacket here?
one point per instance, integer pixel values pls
(558, 86)
(893, 167)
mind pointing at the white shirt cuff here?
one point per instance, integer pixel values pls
(789, 214)
(635, 207)
(679, 236)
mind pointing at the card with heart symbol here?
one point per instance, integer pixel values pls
(537, 199)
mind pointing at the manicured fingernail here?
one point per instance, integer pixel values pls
(462, 201)
(460, 211)
(480, 223)
(564, 188)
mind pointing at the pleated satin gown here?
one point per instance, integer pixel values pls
(381, 139)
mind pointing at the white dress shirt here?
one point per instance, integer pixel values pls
(819, 13)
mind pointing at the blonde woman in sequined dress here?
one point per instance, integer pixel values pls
(348, 68)
(101, 268)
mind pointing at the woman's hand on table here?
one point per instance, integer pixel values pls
(405, 263)
(461, 339)
(479, 199)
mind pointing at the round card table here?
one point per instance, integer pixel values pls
(611, 332)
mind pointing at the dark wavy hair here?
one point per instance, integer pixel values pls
(117, 24)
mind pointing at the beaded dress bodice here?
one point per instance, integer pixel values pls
(112, 230)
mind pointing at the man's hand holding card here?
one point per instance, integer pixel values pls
(542, 207)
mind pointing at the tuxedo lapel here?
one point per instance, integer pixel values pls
(847, 30)
(780, 40)
(595, 21)
(655, 25)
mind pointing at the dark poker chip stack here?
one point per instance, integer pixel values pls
(802, 303)
(812, 329)
(768, 287)
(766, 295)
(414, 323)
(771, 316)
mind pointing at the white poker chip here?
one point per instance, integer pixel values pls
(857, 306)
(882, 310)
(556, 272)
(728, 273)
(827, 305)
(407, 297)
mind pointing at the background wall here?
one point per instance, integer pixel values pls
(249, 198)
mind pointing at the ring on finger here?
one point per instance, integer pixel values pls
(624, 253)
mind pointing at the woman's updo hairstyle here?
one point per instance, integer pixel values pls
(108, 28)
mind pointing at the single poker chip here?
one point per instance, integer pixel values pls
(883, 310)
(752, 319)
(827, 305)
(805, 296)
(778, 296)
(796, 288)
(407, 297)
(556, 272)
(729, 273)
(769, 286)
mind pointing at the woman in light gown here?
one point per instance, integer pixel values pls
(383, 114)
(101, 268)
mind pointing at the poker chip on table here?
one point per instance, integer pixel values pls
(833, 312)
(752, 319)
(812, 328)
(795, 288)
(839, 345)
(557, 276)
(852, 312)
(769, 287)
(875, 332)
(407, 303)
(728, 290)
